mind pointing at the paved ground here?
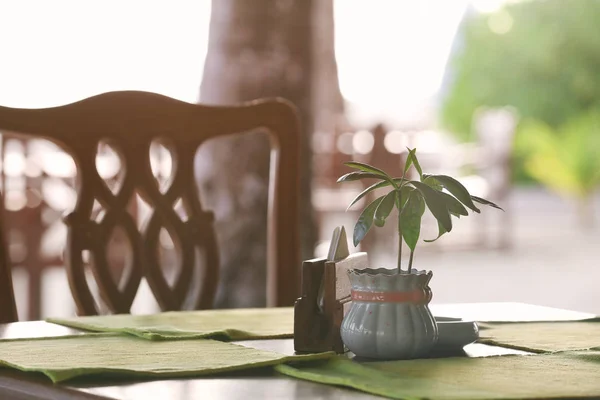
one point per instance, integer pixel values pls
(552, 262)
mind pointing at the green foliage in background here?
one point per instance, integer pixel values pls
(565, 159)
(541, 57)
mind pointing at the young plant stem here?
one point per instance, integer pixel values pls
(399, 206)
(399, 244)
(410, 260)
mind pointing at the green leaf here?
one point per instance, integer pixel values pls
(457, 189)
(356, 175)
(410, 219)
(432, 182)
(454, 206)
(409, 161)
(441, 231)
(486, 202)
(435, 203)
(362, 194)
(405, 192)
(365, 221)
(400, 181)
(374, 186)
(412, 154)
(369, 168)
(385, 208)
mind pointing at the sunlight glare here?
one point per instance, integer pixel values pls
(65, 50)
(391, 53)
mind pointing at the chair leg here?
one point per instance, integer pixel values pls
(35, 294)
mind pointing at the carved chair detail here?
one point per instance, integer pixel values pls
(130, 122)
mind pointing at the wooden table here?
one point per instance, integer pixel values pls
(247, 385)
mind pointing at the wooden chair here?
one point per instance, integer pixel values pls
(130, 121)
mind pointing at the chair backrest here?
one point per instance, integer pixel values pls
(130, 121)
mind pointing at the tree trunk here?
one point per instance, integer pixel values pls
(258, 48)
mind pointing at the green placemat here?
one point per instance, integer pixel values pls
(235, 324)
(119, 355)
(573, 374)
(541, 337)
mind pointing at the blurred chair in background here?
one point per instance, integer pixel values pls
(128, 125)
(495, 130)
(331, 150)
(37, 187)
(381, 157)
(8, 308)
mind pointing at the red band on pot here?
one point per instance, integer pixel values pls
(418, 296)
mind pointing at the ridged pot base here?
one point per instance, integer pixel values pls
(389, 317)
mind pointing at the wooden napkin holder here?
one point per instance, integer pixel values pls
(325, 297)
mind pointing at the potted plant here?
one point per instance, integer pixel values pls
(389, 317)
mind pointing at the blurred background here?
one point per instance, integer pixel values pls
(504, 95)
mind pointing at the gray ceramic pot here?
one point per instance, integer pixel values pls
(389, 317)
